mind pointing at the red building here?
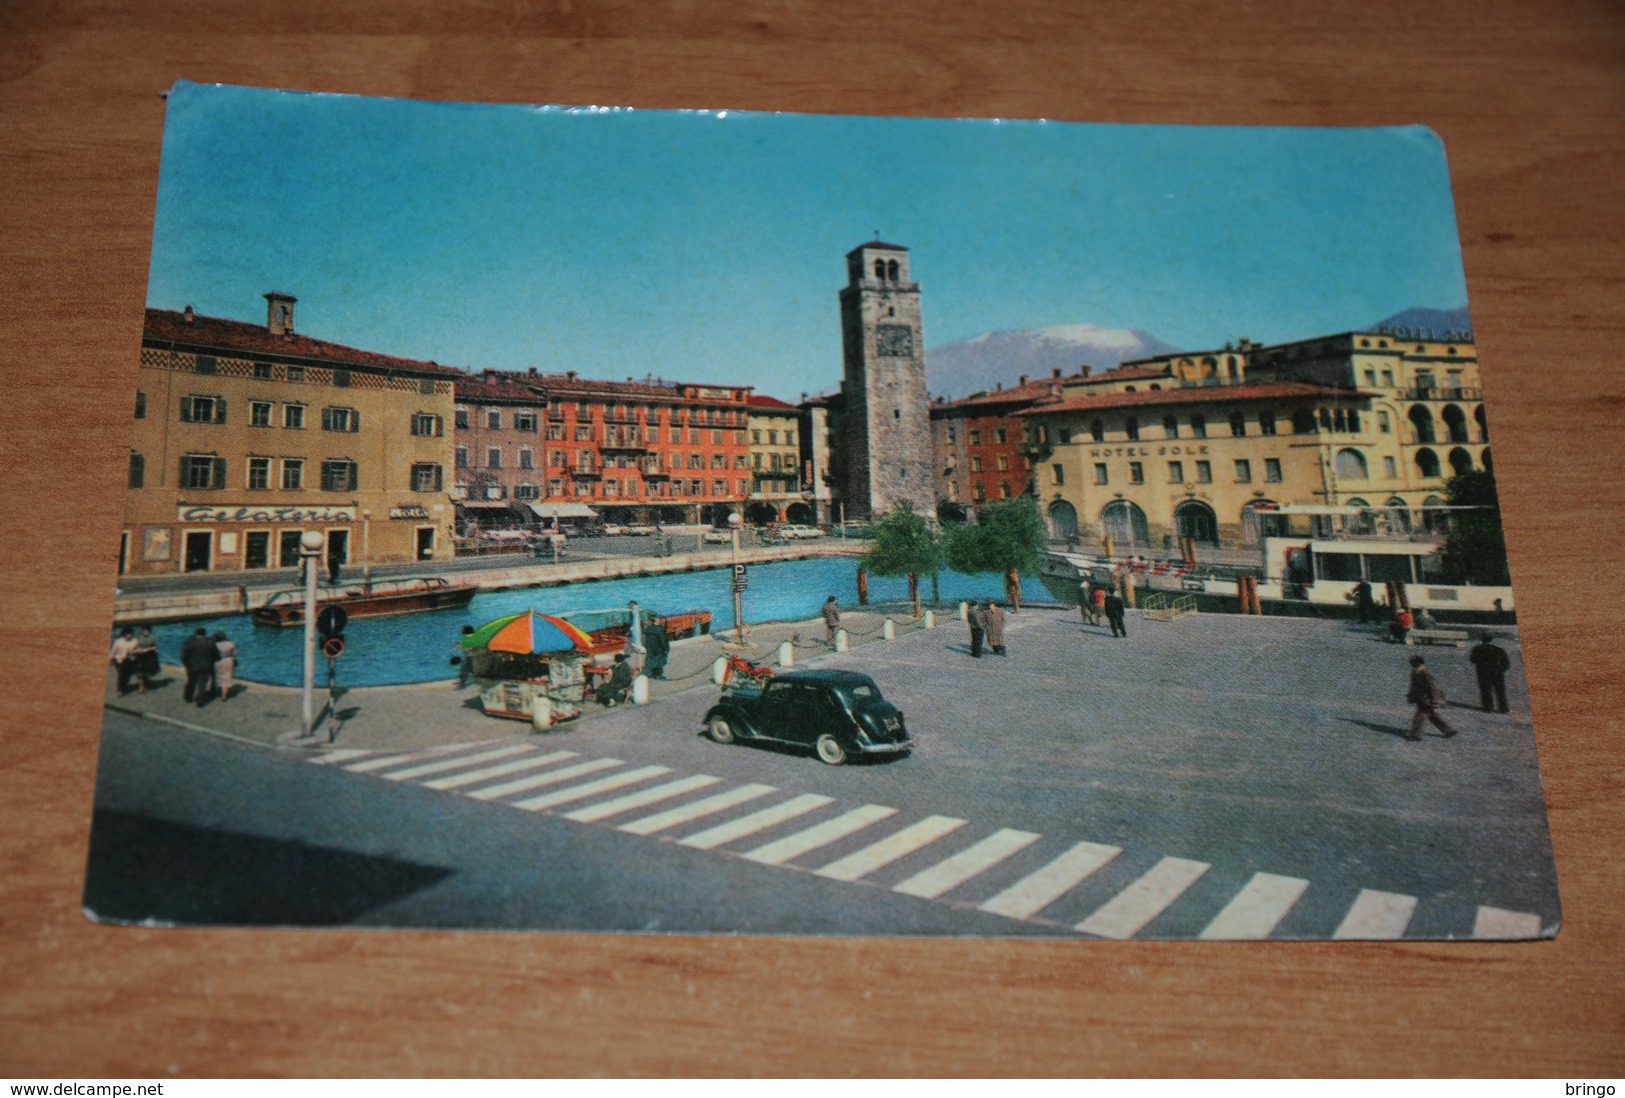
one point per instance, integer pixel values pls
(978, 441)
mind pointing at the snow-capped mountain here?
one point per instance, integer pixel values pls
(1436, 321)
(957, 369)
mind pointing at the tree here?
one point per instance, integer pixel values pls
(1008, 537)
(905, 545)
(1475, 550)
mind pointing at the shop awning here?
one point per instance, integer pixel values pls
(563, 510)
(486, 504)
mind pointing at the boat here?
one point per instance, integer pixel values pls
(377, 599)
(608, 628)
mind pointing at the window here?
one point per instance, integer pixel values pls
(1390, 468)
(739, 461)
(206, 364)
(296, 373)
(527, 458)
(1004, 462)
(527, 491)
(1238, 425)
(1272, 470)
(716, 438)
(583, 410)
(524, 421)
(259, 473)
(719, 461)
(203, 471)
(262, 371)
(555, 432)
(493, 420)
(493, 457)
(1136, 473)
(140, 404)
(460, 419)
(341, 419)
(1204, 472)
(341, 378)
(1176, 472)
(974, 436)
(756, 461)
(426, 477)
(1351, 465)
(259, 413)
(1100, 473)
(981, 492)
(555, 487)
(719, 487)
(789, 438)
(583, 432)
(772, 438)
(293, 416)
(1303, 422)
(1060, 475)
(203, 409)
(1097, 431)
(293, 474)
(1004, 489)
(338, 475)
(756, 438)
(1266, 423)
(1199, 426)
(426, 424)
(1131, 428)
(1066, 435)
(1244, 471)
(462, 457)
(138, 470)
(999, 435)
(1388, 378)
(976, 463)
(1170, 426)
(1371, 377)
(555, 458)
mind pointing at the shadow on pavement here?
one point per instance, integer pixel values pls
(1385, 729)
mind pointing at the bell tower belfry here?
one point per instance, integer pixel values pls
(886, 417)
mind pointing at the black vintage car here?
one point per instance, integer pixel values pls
(836, 713)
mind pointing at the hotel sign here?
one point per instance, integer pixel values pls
(339, 513)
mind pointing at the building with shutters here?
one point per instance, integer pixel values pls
(246, 435)
(775, 463)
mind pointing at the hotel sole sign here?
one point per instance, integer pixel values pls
(267, 514)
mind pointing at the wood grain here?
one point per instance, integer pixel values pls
(1530, 100)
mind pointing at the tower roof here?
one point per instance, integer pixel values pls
(877, 244)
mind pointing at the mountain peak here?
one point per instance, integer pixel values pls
(1001, 356)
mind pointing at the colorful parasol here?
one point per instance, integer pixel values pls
(526, 633)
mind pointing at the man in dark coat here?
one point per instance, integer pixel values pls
(993, 622)
(978, 626)
(198, 654)
(1490, 662)
(659, 646)
(1425, 694)
(619, 683)
(1114, 614)
(1364, 602)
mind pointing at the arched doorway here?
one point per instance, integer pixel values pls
(1196, 520)
(1483, 424)
(1351, 465)
(1399, 514)
(951, 511)
(1062, 520)
(799, 513)
(1124, 523)
(1422, 420)
(1461, 461)
(1455, 423)
(716, 514)
(761, 514)
(1427, 462)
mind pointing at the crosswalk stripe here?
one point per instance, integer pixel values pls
(782, 850)
(474, 777)
(384, 762)
(888, 850)
(1036, 891)
(1254, 911)
(535, 781)
(443, 765)
(1495, 922)
(1377, 915)
(605, 809)
(588, 789)
(951, 872)
(1125, 914)
(343, 754)
(756, 821)
(672, 817)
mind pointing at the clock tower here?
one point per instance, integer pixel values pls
(885, 432)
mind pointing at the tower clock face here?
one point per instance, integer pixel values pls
(894, 340)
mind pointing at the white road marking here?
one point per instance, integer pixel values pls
(661, 821)
(1495, 922)
(1377, 915)
(1036, 891)
(756, 821)
(888, 850)
(782, 850)
(384, 762)
(474, 777)
(343, 754)
(665, 792)
(1125, 914)
(443, 765)
(1254, 911)
(519, 785)
(952, 872)
(588, 789)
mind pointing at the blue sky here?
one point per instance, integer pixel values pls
(709, 246)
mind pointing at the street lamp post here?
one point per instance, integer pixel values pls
(366, 549)
(734, 523)
(310, 552)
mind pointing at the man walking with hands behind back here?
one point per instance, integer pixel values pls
(1113, 605)
(1428, 698)
(978, 626)
(1490, 663)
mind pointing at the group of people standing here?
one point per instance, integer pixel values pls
(1096, 601)
(210, 663)
(986, 623)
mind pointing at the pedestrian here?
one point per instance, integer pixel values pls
(1086, 600)
(993, 622)
(1400, 628)
(615, 688)
(1097, 604)
(1490, 663)
(977, 621)
(197, 656)
(1361, 594)
(832, 619)
(1112, 604)
(122, 657)
(146, 656)
(1425, 694)
(225, 664)
(658, 642)
(463, 658)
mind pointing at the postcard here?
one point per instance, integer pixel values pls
(596, 519)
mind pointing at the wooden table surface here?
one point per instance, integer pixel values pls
(1530, 100)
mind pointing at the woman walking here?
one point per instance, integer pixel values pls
(225, 664)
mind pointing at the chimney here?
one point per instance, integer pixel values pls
(533, 371)
(998, 386)
(279, 313)
(1023, 379)
(1055, 372)
(570, 375)
(1087, 370)
(187, 315)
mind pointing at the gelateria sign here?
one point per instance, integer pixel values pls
(344, 513)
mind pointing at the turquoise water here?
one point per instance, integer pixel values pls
(418, 647)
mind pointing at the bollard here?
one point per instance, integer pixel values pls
(964, 611)
(640, 690)
(541, 712)
(840, 640)
(719, 670)
(888, 630)
(787, 654)
(930, 619)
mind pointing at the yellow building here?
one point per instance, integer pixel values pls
(247, 435)
(1204, 445)
(775, 463)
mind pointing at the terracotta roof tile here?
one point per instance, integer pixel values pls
(762, 400)
(1205, 394)
(249, 340)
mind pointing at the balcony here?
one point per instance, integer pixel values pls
(1435, 392)
(624, 442)
(586, 472)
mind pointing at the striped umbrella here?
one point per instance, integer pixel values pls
(526, 633)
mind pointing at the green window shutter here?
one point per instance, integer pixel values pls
(355, 421)
(217, 476)
(186, 409)
(220, 409)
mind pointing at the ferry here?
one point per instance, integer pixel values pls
(378, 599)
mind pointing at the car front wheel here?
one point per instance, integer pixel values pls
(830, 750)
(720, 730)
